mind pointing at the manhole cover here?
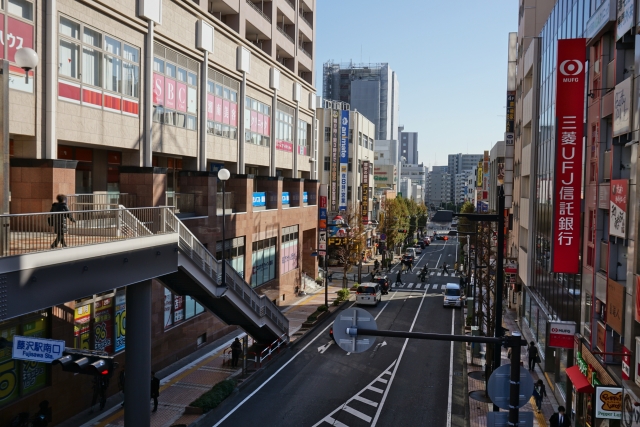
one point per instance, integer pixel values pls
(480, 396)
(477, 375)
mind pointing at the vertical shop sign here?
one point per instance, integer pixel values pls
(34, 374)
(178, 307)
(568, 170)
(626, 363)
(82, 327)
(333, 179)
(158, 89)
(322, 220)
(618, 207)
(615, 305)
(121, 320)
(344, 157)
(103, 325)
(366, 166)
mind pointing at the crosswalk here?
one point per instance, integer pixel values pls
(419, 286)
(451, 274)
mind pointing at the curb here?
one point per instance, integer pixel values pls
(318, 323)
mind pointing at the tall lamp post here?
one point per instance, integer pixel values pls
(223, 176)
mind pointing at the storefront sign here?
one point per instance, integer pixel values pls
(615, 305)
(630, 409)
(285, 197)
(599, 19)
(601, 337)
(568, 171)
(37, 349)
(338, 241)
(626, 364)
(120, 320)
(603, 196)
(365, 191)
(479, 177)
(82, 327)
(333, 178)
(622, 108)
(322, 220)
(608, 402)
(284, 146)
(624, 17)
(305, 197)
(637, 299)
(103, 325)
(618, 208)
(561, 334)
(259, 199)
(344, 157)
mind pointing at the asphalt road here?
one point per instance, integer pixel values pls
(398, 382)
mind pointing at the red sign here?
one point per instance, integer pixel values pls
(210, 108)
(638, 299)
(181, 96)
(233, 114)
(323, 203)
(561, 334)
(254, 122)
(218, 110)
(568, 171)
(284, 146)
(618, 207)
(626, 363)
(158, 89)
(170, 93)
(226, 119)
(20, 35)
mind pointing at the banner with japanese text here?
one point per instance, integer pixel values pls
(568, 171)
(618, 207)
(333, 178)
(344, 157)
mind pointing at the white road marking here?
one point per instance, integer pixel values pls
(324, 348)
(367, 401)
(334, 423)
(321, 333)
(395, 368)
(356, 413)
(418, 285)
(439, 274)
(377, 390)
(453, 318)
(410, 285)
(426, 287)
(432, 273)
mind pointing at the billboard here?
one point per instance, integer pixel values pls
(322, 220)
(344, 157)
(568, 169)
(618, 207)
(365, 191)
(333, 177)
(561, 334)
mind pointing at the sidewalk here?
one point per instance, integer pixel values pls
(478, 410)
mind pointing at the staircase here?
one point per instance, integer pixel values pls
(199, 275)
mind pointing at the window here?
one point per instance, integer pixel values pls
(99, 60)
(289, 249)
(350, 164)
(327, 163)
(303, 143)
(179, 308)
(349, 193)
(234, 253)
(327, 134)
(257, 122)
(263, 261)
(175, 95)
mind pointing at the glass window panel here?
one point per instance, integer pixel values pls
(158, 65)
(169, 118)
(91, 66)
(157, 113)
(233, 133)
(192, 79)
(112, 73)
(189, 307)
(68, 55)
(69, 28)
(170, 70)
(92, 37)
(211, 87)
(130, 80)
(21, 8)
(225, 93)
(234, 96)
(181, 120)
(131, 53)
(254, 104)
(168, 308)
(199, 308)
(112, 45)
(218, 90)
(191, 123)
(182, 75)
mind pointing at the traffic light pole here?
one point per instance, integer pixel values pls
(514, 342)
(138, 356)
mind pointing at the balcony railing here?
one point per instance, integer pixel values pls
(301, 13)
(257, 9)
(99, 201)
(183, 202)
(304, 51)
(37, 232)
(228, 203)
(285, 34)
(291, 4)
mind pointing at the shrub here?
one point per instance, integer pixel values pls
(335, 302)
(215, 396)
(343, 294)
(319, 280)
(469, 320)
(323, 308)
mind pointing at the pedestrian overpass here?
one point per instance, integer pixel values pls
(112, 248)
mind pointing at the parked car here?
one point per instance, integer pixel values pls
(417, 248)
(368, 294)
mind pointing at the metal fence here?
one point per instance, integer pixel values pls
(35, 232)
(183, 202)
(100, 201)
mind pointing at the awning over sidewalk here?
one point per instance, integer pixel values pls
(578, 380)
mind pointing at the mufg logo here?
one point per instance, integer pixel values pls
(570, 68)
(561, 331)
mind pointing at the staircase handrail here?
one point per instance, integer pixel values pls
(194, 249)
(128, 219)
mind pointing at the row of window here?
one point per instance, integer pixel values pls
(97, 59)
(263, 261)
(258, 106)
(256, 138)
(179, 308)
(174, 118)
(219, 129)
(327, 164)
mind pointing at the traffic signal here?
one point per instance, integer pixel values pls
(86, 362)
(403, 230)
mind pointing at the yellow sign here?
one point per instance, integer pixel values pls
(480, 176)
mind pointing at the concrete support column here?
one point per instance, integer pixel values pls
(241, 140)
(145, 147)
(202, 152)
(51, 85)
(274, 109)
(137, 411)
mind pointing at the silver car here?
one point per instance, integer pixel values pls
(453, 296)
(368, 294)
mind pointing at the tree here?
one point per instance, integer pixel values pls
(349, 254)
(394, 218)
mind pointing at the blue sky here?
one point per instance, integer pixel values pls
(450, 57)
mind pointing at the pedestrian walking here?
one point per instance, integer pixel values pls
(444, 268)
(155, 390)
(121, 380)
(59, 222)
(560, 419)
(539, 392)
(399, 278)
(532, 352)
(44, 415)
(236, 350)
(376, 264)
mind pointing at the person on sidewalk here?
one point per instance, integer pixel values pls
(236, 350)
(560, 419)
(532, 352)
(155, 390)
(399, 277)
(539, 392)
(376, 265)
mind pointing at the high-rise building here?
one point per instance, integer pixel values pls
(409, 147)
(496, 172)
(458, 163)
(438, 187)
(387, 164)
(371, 89)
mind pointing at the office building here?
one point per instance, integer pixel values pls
(458, 163)
(409, 146)
(496, 173)
(151, 121)
(371, 89)
(438, 188)
(388, 163)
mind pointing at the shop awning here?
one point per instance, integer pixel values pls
(578, 380)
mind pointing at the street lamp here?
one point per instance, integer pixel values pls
(223, 175)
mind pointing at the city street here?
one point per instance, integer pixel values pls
(397, 382)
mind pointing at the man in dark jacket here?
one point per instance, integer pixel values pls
(399, 277)
(59, 221)
(155, 390)
(532, 352)
(560, 419)
(236, 350)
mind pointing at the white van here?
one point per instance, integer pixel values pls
(411, 252)
(452, 295)
(368, 294)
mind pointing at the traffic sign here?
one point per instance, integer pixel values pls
(37, 349)
(499, 387)
(349, 320)
(501, 419)
(383, 237)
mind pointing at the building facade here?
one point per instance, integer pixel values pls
(458, 163)
(409, 147)
(496, 172)
(147, 108)
(371, 89)
(438, 188)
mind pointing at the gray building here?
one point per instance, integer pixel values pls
(496, 173)
(409, 146)
(438, 186)
(372, 89)
(459, 163)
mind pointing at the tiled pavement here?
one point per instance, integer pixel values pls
(478, 410)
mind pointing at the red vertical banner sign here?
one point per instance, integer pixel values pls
(568, 171)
